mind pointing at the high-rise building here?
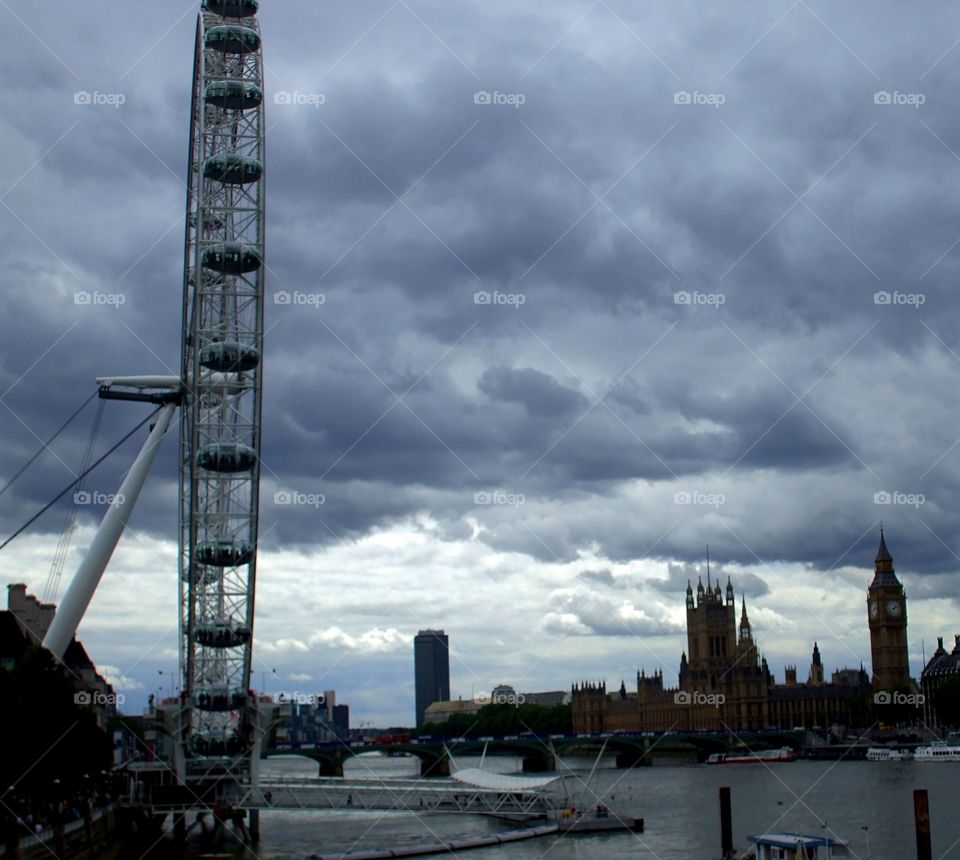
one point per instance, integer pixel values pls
(887, 609)
(431, 664)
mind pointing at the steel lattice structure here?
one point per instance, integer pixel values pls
(223, 301)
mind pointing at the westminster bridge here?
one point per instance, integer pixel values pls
(540, 753)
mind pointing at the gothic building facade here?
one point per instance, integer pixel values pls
(725, 683)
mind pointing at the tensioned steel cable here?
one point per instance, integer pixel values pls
(79, 478)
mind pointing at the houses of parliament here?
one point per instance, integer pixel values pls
(725, 683)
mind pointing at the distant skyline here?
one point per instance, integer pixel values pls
(557, 296)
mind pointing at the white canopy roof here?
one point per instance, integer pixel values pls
(500, 782)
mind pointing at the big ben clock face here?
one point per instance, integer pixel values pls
(893, 607)
(874, 609)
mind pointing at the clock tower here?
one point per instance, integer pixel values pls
(887, 614)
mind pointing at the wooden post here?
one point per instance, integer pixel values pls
(921, 815)
(726, 823)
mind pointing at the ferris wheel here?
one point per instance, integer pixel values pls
(223, 301)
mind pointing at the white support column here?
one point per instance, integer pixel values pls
(85, 581)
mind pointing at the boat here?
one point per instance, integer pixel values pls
(760, 756)
(596, 820)
(938, 751)
(795, 846)
(888, 754)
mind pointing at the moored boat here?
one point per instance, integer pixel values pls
(772, 846)
(758, 757)
(938, 751)
(888, 754)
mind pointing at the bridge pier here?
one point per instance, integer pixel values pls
(254, 825)
(435, 767)
(331, 766)
(544, 762)
(633, 758)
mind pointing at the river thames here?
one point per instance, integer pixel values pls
(679, 802)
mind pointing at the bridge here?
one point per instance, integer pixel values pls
(541, 753)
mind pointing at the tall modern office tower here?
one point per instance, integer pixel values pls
(431, 661)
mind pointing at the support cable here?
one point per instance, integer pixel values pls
(73, 483)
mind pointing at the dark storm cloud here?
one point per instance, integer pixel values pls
(695, 200)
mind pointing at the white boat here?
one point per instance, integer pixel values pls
(938, 751)
(888, 754)
(782, 754)
(794, 846)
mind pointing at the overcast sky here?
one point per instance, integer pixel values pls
(574, 291)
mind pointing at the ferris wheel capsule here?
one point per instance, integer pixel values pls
(232, 169)
(222, 634)
(233, 95)
(232, 8)
(232, 258)
(224, 553)
(233, 39)
(227, 457)
(229, 357)
(220, 698)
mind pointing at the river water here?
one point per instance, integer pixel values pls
(679, 802)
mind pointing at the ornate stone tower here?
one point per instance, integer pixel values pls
(711, 635)
(887, 614)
